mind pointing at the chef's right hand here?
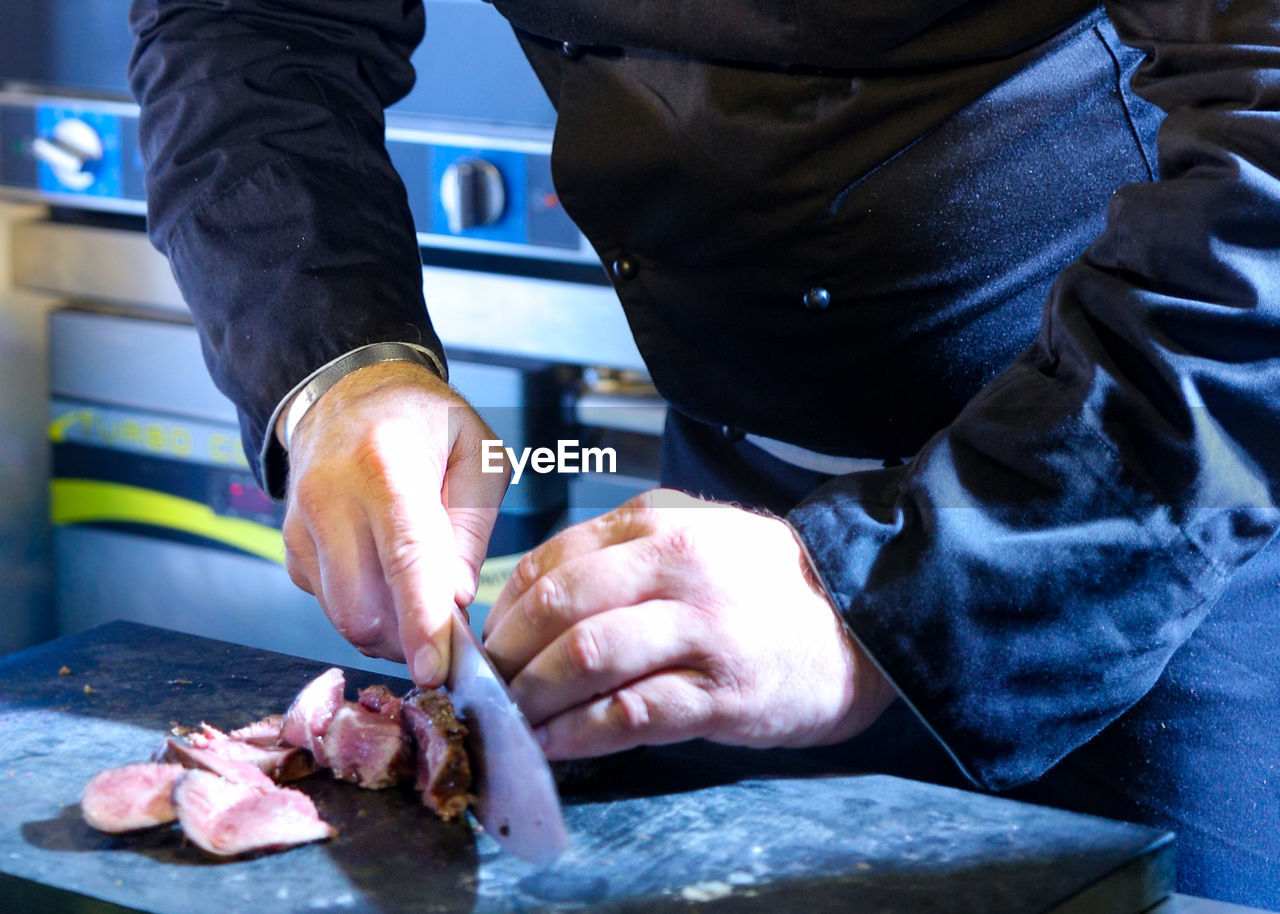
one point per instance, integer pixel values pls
(389, 514)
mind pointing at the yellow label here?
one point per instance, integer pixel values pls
(86, 501)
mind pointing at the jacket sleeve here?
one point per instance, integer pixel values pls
(270, 190)
(1028, 575)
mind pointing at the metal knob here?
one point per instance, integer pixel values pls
(72, 151)
(472, 194)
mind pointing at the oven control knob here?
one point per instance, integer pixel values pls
(72, 151)
(472, 194)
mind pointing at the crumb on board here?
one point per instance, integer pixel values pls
(89, 690)
(64, 670)
(710, 890)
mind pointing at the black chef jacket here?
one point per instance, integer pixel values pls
(924, 229)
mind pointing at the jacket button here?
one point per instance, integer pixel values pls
(817, 298)
(571, 50)
(625, 268)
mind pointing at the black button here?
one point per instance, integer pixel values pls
(729, 433)
(625, 268)
(571, 50)
(817, 298)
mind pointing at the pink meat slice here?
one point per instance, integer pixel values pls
(228, 819)
(131, 797)
(279, 762)
(367, 747)
(308, 718)
(221, 761)
(265, 732)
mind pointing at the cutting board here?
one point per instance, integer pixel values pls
(693, 826)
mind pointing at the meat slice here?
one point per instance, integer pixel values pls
(279, 762)
(367, 747)
(308, 718)
(228, 819)
(220, 788)
(129, 798)
(234, 759)
(265, 732)
(444, 772)
(380, 698)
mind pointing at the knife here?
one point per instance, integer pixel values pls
(516, 797)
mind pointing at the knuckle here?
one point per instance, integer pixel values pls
(633, 518)
(649, 555)
(297, 574)
(402, 559)
(525, 572)
(297, 539)
(727, 694)
(364, 640)
(545, 601)
(629, 711)
(369, 457)
(583, 651)
(310, 494)
(678, 542)
(639, 514)
(298, 550)
(362, 631)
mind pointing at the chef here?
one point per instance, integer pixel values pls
(974, 379)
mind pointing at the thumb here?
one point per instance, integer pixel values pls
(472, 494)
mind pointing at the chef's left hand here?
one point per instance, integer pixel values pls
(673, 618)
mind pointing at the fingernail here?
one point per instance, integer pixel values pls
(426, 664)
(540, 734)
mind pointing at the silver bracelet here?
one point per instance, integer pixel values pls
(320, 382)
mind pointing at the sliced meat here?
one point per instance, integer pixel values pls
(368, 747)
(213, 750)
(238, 770)
(444, 773)
(308, 718)
(381, 699)
(220, 788)
(228, 819)
(129, 798)
(265, 732)
(279, 762)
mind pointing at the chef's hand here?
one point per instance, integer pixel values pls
(672, 618)
(388, 513)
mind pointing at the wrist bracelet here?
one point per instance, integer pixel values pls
(320, 382)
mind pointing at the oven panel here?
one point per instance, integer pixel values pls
(484, 191)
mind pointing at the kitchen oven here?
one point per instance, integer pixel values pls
(155, 516)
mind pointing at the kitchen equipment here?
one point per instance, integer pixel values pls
(472, 140)
(656, 830)
(516, 799)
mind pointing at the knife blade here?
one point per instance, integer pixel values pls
(516, 797)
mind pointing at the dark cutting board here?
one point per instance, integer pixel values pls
(654, 830)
